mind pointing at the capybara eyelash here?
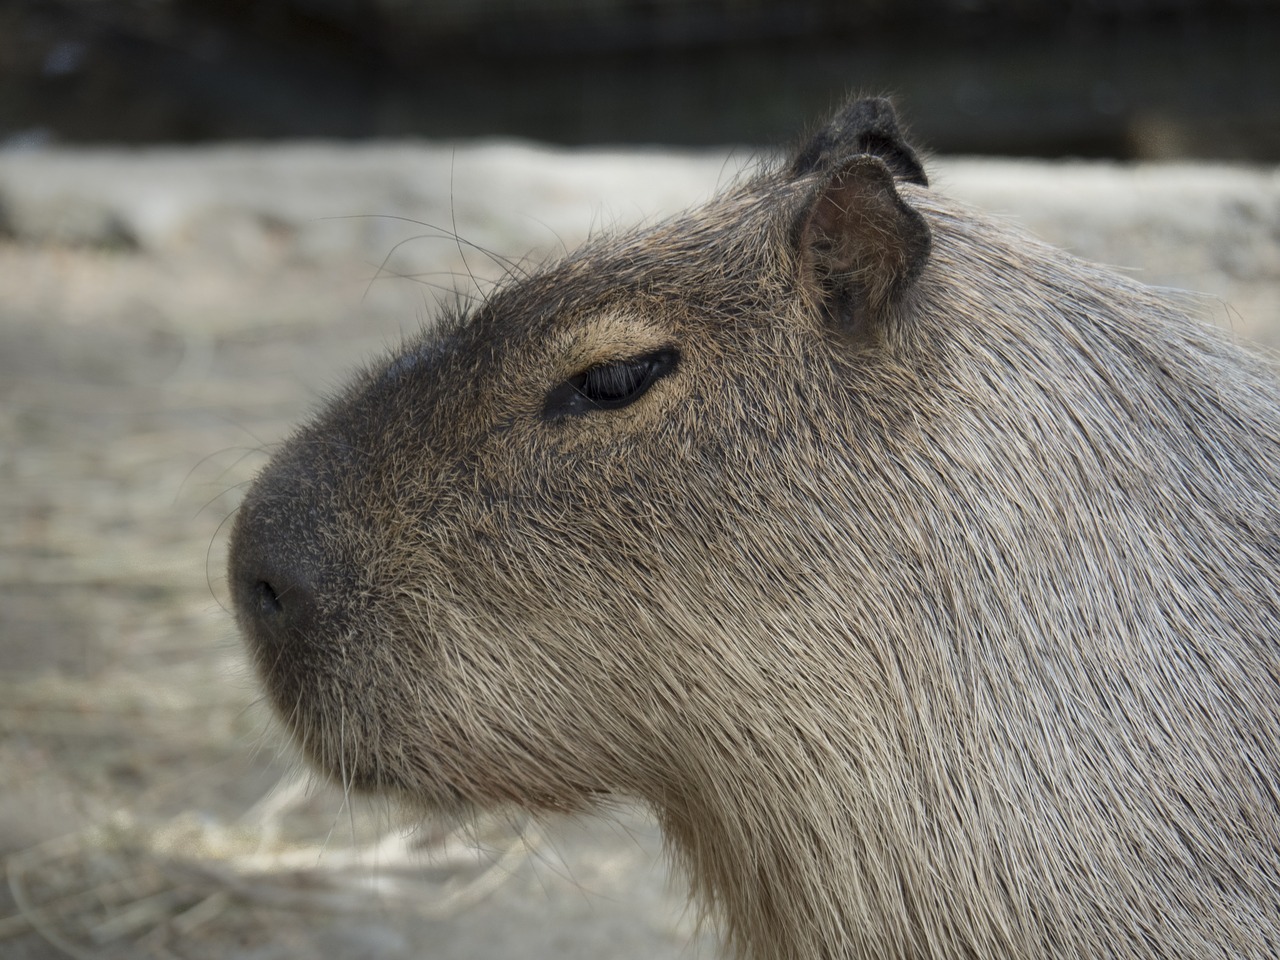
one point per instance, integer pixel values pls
(609, 386)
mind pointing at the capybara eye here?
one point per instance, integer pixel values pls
(609, 386)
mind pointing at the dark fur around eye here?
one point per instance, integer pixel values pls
(609, 386)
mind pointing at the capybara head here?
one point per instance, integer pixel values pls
(923, 579)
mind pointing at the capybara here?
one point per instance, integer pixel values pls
(922, 578)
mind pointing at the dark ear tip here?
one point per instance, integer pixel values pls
(863, 126)
(872, 110)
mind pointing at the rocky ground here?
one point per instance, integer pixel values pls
(164, 317)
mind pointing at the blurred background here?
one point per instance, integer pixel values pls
(1128, 79)
(211, 211)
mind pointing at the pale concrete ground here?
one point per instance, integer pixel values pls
(164, 318)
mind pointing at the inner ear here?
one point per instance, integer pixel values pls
(860, 244)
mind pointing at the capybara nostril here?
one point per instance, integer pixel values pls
(269, 606)
(279, 582)
(277, 602)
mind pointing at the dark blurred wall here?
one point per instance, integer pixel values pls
(1117, 78)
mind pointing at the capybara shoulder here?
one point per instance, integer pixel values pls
(923, 579)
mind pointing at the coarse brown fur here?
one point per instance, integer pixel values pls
(932, 600)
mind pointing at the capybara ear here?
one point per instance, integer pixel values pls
(860, 244)
(867, 126)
